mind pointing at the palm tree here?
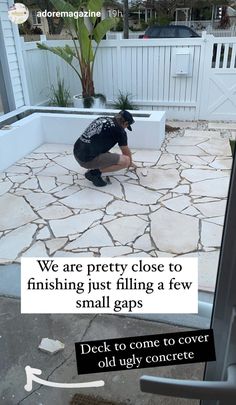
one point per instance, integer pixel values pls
(81, 57)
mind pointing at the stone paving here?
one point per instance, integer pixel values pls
(177, 208)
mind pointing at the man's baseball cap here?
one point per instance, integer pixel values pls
(127, 117)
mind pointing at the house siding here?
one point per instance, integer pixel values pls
(12, 47)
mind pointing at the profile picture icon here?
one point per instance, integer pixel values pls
(18, 13)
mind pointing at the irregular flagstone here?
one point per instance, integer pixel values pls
(5, 186)
(208, 158)
(126, 229)
(120, 177)
(195, 175)
(182, 189)
(221, 163)
(36, 250)
(205, 134)
(173, 166)
(74, 224)
(211, 188)
(205, 199)
(186, 150)
(216, 220)
(18, 178)
(165, 197)
(222, 125)
(18, 169)
(211, 234)
(30, 184)
(43, 234)
(167, 227)
(38, 163)
(53, 170)
(166, 159)
(95, 237)
(191, 211)
(131, 175)
(114, 188)
(189, 141)
(218, 147)
(61, 253)
(14, 242)
(178, 203)
(36, 156)
(144, 243)
(59, 188)
(192, 160)
(138, 254)
(212, 209)
(88, 198)
(53, 148)
(55, 212)
(66, 179)
(47, 183)
(146, 156)
(69, 162)
(14, 212)
(164, 254)
(125, 208)
(55, 244)
(182, 124)
(161, 179)
(115, 251)
(108, 218)
(68, 191)
(39, 200)
(140, 195)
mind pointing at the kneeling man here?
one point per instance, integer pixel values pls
(92, 148)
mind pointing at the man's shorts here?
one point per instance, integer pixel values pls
(101, 161)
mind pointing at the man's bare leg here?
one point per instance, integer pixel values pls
(123, 163)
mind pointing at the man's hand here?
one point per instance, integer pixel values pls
(133, 166)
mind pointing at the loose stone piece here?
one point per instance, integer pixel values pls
(51, 346)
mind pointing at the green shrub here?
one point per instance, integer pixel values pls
(123, 102)
(60, 94)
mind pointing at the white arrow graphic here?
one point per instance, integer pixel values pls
(31, 375)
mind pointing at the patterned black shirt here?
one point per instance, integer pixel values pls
(99, 137)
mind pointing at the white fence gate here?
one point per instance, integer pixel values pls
(148, 71)
(218, 94)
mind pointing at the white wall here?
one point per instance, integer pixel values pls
(14, 55)
(27, 134)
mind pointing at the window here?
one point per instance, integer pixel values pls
(167, 32)
(184, 33)
(36, 20)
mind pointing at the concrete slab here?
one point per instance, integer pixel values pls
(21, 335)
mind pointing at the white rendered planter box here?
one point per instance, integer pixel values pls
(45, 126)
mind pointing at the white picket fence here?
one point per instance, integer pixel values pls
(146, 70)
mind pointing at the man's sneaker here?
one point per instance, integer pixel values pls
(95, 177)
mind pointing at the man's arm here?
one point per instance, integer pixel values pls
(127, 152)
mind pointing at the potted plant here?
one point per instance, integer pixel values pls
(84, 31)
(60, 95)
